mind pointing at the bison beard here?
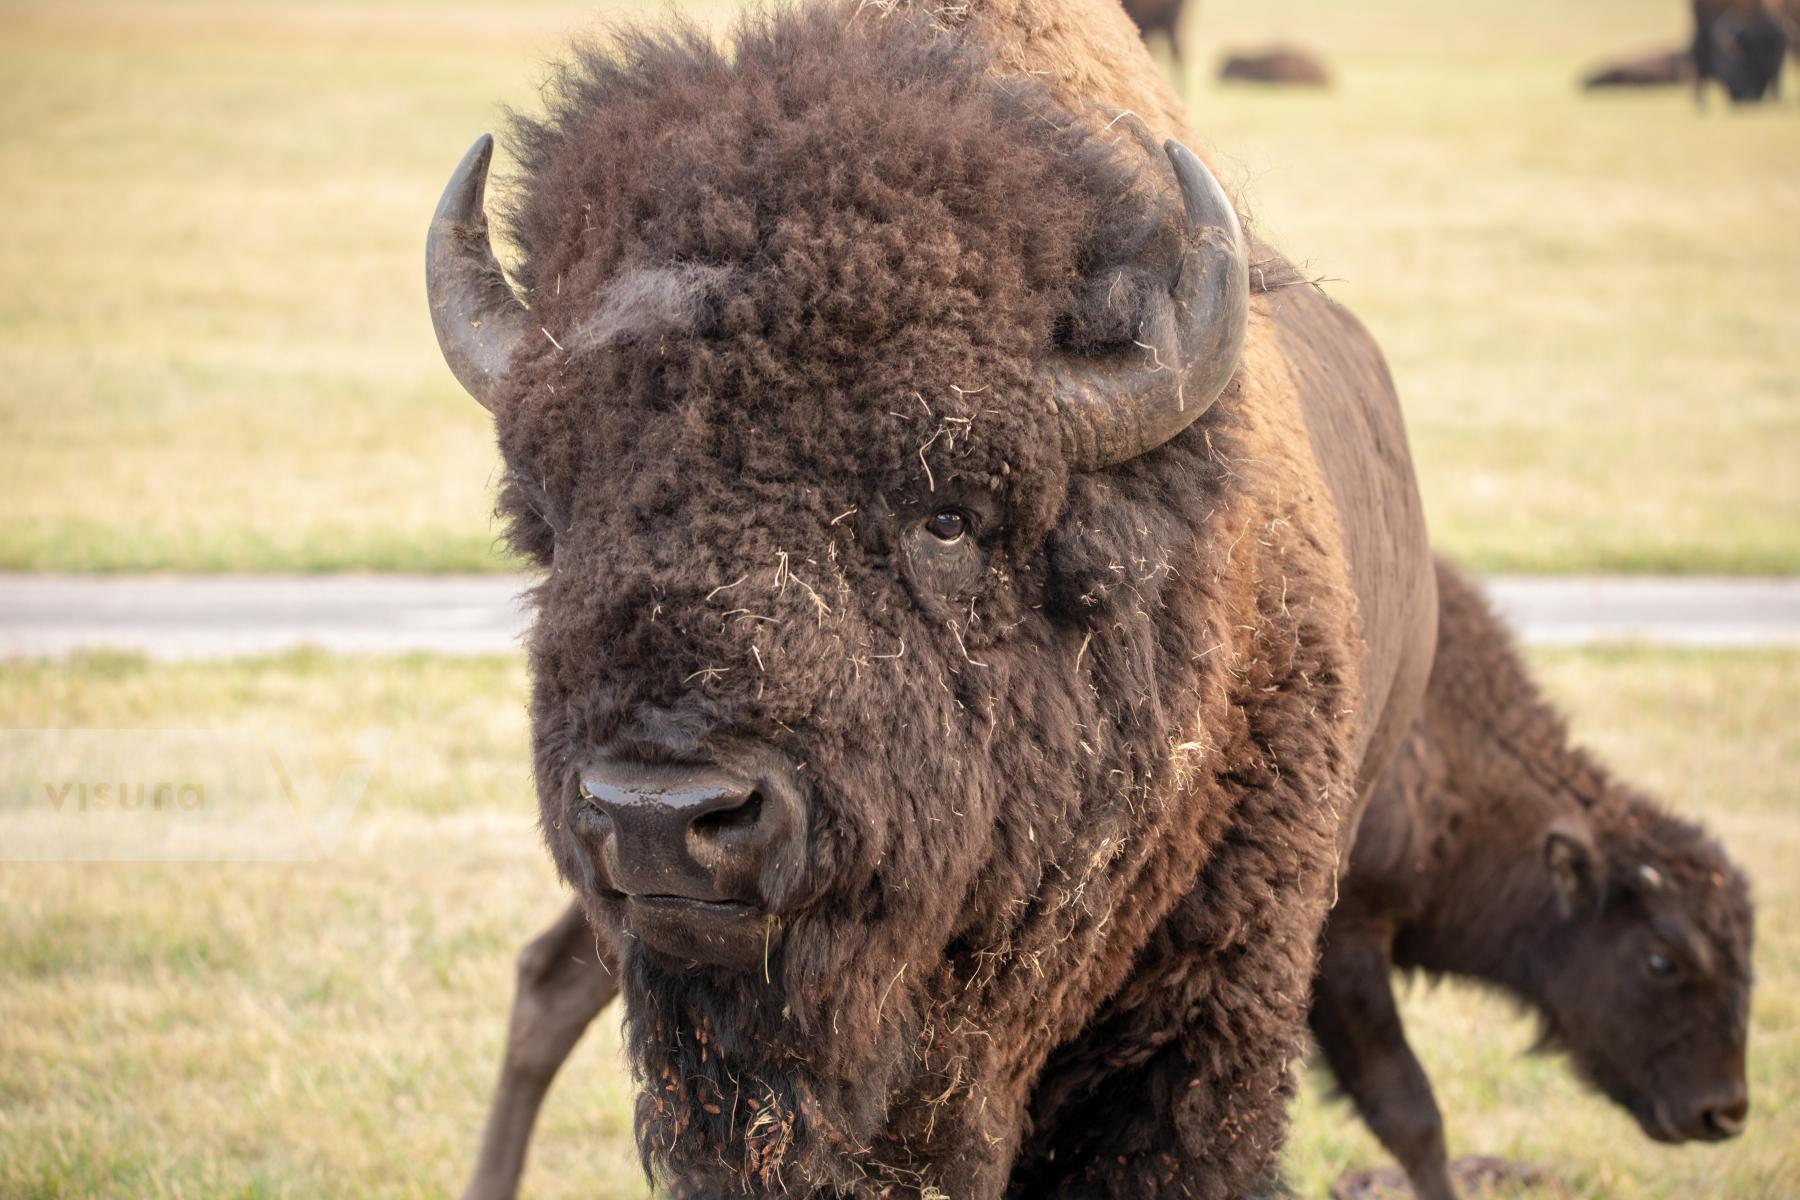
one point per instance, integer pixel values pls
(1073, 791)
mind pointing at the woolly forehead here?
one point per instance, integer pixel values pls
(835, 225)
(1675, 867)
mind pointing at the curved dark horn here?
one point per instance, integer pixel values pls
(1114, 409)
(477, 317)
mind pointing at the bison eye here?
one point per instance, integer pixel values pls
(942, 554)
(948, 524)
(1659, 965)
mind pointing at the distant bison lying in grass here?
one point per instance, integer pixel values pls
(1662, 68)
(1275, 64)
(1496, 851)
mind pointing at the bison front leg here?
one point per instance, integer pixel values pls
(1358, 1027)
(1182, 1093)
(1702, 50)
(566, 976)
(1149, 1111)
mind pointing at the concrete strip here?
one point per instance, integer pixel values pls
(184, 617)
(1664, 610)
(187, 617)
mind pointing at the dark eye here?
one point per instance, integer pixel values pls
(948, 524)
(1659, 965)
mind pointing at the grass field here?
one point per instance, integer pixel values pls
(331, 1028)
(217, 354)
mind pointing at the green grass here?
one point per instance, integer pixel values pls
(332, 1028)
(313, 1029)
(217, 354)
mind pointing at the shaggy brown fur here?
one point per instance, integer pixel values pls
(1496, 851)
(1275, 64)
(1074, 805)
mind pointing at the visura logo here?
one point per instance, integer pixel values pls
(176, 795)
(125, 797)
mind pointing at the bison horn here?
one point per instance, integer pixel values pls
(1113, 409)
(477, 317)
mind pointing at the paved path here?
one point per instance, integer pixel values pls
(1667, 610)
(218, 616)
(180, 616)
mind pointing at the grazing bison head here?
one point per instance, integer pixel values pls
(1649, 987)
(848, 708)
(1746, 53)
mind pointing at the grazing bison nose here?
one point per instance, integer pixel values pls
(1714, 1116)
(1725, 1117)
(701, 834)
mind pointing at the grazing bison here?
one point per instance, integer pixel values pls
(1275, 64)
(1159, 16)
(974, 600)
(1660, 69)
(1741, 44)
(1494, 850)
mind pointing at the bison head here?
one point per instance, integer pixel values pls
(837, 402)
(1649, 970)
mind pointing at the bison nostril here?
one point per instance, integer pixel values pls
(722, 823)
(1726, 1122)
(590, 818)
(702, 833)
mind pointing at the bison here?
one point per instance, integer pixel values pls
(1741, 44)
(1275, 64)
(1159, 16)
(979, 585)
(1495, 851)
(1661, 68)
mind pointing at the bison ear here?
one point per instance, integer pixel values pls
(1574, 866)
